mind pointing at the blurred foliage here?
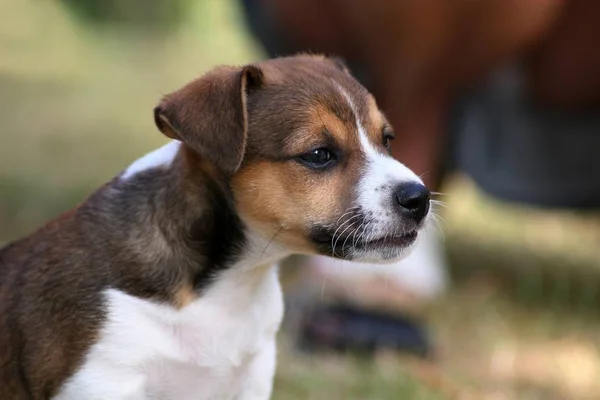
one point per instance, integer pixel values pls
(153, 15)
(76, 104)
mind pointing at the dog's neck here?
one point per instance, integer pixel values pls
(177, 222)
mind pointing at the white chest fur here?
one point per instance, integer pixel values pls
(220, 347)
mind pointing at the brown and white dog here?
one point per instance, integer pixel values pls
(162, 284)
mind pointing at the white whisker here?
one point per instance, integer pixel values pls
(323, 286)
(362, 234)
(350, 235)
(341, 234)
(438, 203)
(336, 231)
(438, 228)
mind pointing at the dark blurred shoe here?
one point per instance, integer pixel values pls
(343, 328)
(348, 306)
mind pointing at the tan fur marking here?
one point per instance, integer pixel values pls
(374, 123)
(184, 295)
(375, 117)
(269, 192)
(321, 120)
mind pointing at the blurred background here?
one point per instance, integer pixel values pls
(495, 102)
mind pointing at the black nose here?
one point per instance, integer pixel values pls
(413, 199)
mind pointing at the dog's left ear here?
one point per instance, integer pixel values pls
(210, 115)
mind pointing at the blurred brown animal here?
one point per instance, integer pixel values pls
(420, 54)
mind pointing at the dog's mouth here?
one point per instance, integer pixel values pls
(402, 240)
(326, 240)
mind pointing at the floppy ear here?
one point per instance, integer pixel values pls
(210, 115)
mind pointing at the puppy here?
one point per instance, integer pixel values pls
(162, 284)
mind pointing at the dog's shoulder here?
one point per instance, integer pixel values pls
(49, 306)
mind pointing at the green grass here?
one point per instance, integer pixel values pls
(75, 108)
(346, 378)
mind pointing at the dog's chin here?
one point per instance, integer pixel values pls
(390, 256)
(386, 249)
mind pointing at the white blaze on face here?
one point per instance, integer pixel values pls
(382, 175)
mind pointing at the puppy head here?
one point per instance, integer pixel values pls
(305, 150)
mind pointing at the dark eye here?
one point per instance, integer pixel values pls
(318, 158)
(388, 136)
